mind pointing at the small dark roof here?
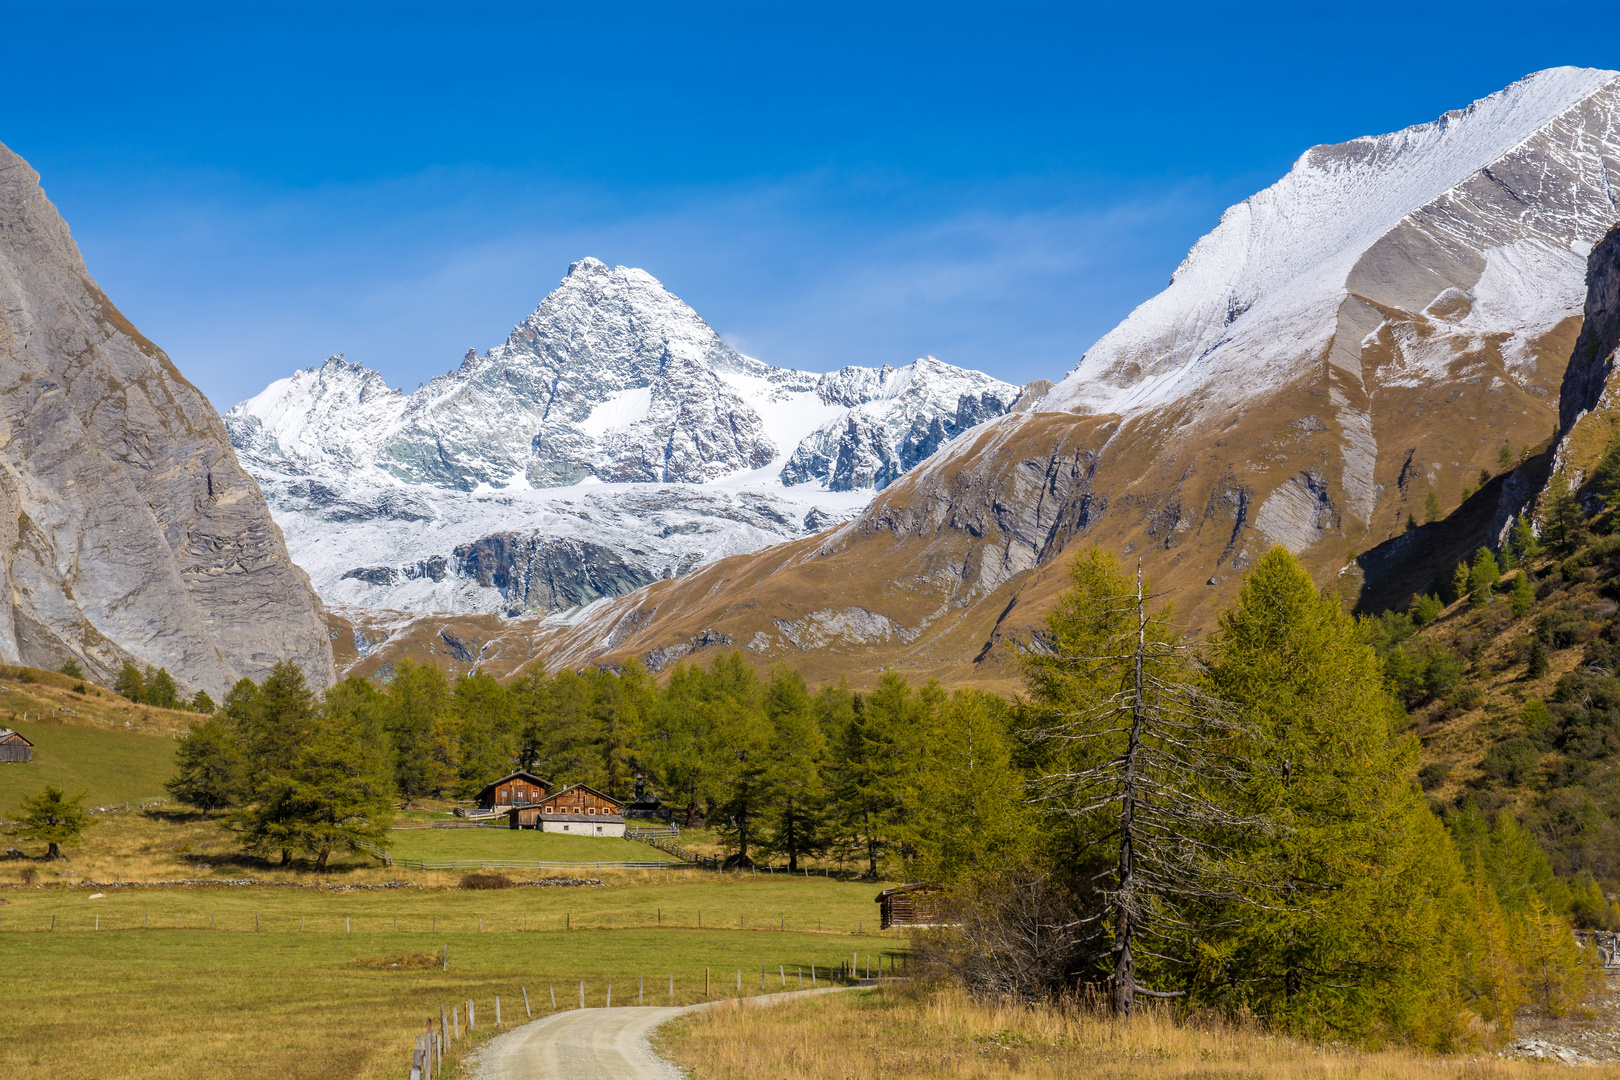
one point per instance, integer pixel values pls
(582, 787)
(915, 886)
(8, 735)
(529, 776)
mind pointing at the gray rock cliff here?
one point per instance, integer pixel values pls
(128, 531)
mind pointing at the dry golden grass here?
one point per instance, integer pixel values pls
(900, 1035)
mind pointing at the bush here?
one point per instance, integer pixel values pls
(1512, 761)
(484, 879)
(71, 669)
(1466, 697)
(1434, 774)
(1426, 608)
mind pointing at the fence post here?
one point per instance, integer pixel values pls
(609, 996)
(582, 993)
(641, 987)
(445, 966)
(527, 1011)
(472, 1023)
(705, 983)
(672, 988)
(553, 990)
(497, 1011)
(782, 971)
(444, 1029)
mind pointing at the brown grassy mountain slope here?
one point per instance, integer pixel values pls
(1365, 343)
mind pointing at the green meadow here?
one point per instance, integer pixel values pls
(202, 993)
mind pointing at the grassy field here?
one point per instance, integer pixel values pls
(902, 1035)
(518, 844)
(201, 993)
(113, 766)
(188, 1003)
(637, 899)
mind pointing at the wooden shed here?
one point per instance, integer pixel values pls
(515, 789)
(13, 747)
(577, 810)
(916, 904)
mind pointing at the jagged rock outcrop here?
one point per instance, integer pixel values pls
(128, 531)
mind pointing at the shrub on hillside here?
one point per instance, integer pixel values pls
(1512, 762)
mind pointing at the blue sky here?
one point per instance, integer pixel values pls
(259, 186)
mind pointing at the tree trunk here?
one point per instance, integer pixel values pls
(286, 856)
(792, 843)
(54, 852)
(320, 863)
(871, 847)
(1124, 997)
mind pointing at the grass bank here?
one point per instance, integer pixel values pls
(898, 1035)
(644, 902)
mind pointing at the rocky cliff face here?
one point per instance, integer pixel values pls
(128, 532)
(613, 440)
(1372, 329)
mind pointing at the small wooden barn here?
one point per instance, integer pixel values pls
(13, 747)
(916, 904)
(577, 810)
(517, 789)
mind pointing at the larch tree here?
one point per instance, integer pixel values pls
(210, 767)
(54, 819)
(1359, 875)
(795, 797)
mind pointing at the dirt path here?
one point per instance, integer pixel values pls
(594, 1044)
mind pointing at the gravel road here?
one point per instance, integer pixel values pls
(594, 1044)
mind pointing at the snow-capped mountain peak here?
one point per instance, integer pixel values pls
(610, 385)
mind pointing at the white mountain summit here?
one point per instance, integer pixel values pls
(613, 440)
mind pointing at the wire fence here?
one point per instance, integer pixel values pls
(460, 1020)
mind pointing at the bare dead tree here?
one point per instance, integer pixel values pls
(1145, 765)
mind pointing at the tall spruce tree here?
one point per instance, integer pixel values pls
(872, 768)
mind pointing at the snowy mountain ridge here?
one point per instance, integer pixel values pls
(1521, 176)
(613, 439)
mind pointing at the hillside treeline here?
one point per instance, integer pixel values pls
(899, 775)
(1520, 648)
(1237, 823)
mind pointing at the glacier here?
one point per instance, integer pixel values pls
(614, 439)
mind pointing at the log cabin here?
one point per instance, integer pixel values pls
(13, 747)
(577, 810)
(517, 789)
(909, 905)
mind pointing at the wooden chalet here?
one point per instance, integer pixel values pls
(518, 789)
(13, 747)
(916, 904)
(577, 809)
